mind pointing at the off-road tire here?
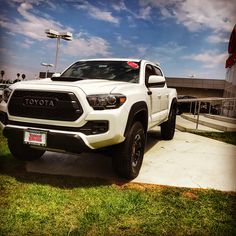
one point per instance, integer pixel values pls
(24, 152)
(168, 127)
(128, 157)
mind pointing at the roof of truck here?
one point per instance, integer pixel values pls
(120, 59)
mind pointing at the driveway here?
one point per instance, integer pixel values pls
(186, 161)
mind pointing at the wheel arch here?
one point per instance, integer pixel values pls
(174, 103)
(172, 98)
(138, 112)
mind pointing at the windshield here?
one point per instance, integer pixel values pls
(126, 71)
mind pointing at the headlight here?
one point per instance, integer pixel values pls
(6, 94)
(106, 101)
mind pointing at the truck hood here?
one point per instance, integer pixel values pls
(88, 86)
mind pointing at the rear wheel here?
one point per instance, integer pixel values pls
(168, 127)
(129, 154)
(24, 152)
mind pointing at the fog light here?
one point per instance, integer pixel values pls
(99, 127)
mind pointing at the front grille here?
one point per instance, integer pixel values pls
(63, 106)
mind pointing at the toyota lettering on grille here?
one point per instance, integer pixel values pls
(39, 102)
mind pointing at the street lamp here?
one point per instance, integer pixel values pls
(58, 35)
(47, 65)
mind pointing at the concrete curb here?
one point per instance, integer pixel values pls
(221, 118)
(186, 125)
(209, 123)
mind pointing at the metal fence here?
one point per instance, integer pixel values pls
(225, 106)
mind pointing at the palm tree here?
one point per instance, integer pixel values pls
(17, 79)
(2, 74)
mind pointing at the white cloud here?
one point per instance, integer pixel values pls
(170, 48)
(145, 13)
(12, 64)
(197, 15)
(96, 12)
(210, 59)
(123, 42)
(142, 50)
(27, 43)
(218, 15)
(32, 26)
(7, 55)
(87, 46)
(215, 14)
(161, 54)
(50, 3)
(217, 38)
(119, 6)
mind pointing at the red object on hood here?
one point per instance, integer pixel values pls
(133, 64)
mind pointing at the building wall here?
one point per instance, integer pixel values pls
(230, 91)
(230, 85)
(200, 88)
(200, 93)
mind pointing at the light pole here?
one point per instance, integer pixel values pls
(46, 65)
(55, 34)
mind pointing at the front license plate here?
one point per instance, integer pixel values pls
(35, 137)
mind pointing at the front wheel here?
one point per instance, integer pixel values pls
(24, 152)
(168, 127)
(129, 154)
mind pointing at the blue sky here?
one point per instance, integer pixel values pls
(187, 37)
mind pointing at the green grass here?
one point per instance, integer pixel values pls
(36, 204)
(227, 137)
(3, 145)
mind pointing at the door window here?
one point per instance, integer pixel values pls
(157, 71)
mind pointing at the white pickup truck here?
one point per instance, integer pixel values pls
(92, 104)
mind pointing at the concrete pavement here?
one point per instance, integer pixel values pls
(186, 161)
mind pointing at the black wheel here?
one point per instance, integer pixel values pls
(168, 127)
(129, 154)
(24, 152)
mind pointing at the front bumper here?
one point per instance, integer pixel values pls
(55, 140)
(93, 134)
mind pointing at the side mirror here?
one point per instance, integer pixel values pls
(56, 75)
(156, 81)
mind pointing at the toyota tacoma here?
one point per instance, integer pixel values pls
(93, 104)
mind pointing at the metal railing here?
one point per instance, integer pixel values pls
(227, 106)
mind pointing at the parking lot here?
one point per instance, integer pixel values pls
(186, 161)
